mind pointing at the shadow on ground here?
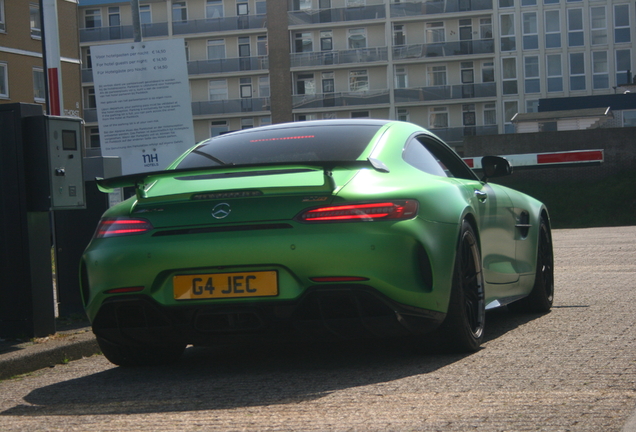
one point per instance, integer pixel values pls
(243, 376)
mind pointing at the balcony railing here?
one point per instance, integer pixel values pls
(461, 91)
(328, 100)
(122, 32)
(243, 22)
(322, 58)
(230, 106)
(336, 14)
(457, 134)
(444, 49)
(90, 115)
(416, 8)
(198, 67)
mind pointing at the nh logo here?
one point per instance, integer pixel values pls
(150, 158)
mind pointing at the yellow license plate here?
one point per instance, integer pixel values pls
(225, 285)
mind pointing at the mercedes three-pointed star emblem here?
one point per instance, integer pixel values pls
(221, 211)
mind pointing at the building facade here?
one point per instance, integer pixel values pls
(457, 67)
(21, 60)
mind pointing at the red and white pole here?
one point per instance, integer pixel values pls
(51, 42)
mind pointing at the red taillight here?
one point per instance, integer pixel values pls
(395, 210)
(122, 227)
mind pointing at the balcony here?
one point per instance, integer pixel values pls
(438, 93)
(325, 58)
(457, 134)
(303, 17)
(230, 106)
(122, 32)
(444, 49)
(199, 67)
(408, 9)
(243, 22)
(90, 115)
(330, 100)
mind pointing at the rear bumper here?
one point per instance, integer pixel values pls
(334, 312)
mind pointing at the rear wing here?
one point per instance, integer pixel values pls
(141, 180)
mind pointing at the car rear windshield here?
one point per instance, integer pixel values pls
(293, 144)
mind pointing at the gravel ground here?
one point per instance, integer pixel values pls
(573, 369)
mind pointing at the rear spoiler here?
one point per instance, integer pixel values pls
(141, 180)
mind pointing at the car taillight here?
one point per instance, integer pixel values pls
(394, 210)
(122, 227)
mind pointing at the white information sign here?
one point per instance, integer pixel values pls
(143, 103)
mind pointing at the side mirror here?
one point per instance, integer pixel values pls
(495, 166)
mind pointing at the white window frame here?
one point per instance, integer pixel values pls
(490, 114)
(576, 73)
(216, 43)
(621, 70)
(4, 83)
(96, 18)
(356, 33)
(509, 29)
(35, 24)
(38, 75)
(2, 22)
(552, 26)
(598, 26)
(435, 32)
(359, 80)
(264, 86)
(401, 77)
(218, 125)
(399, 32)
(619, 14)
(145, 11)
(530, 30)
(438, 117)
(485, 28)
(573, 28)
(183, 7)
(531, 73)
(600, 70)
(402, 114)
(436, 75)
(220, 91)
(509, 75)
(554, 71)
(212, 5)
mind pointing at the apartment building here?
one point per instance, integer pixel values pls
(21, 61)
(457, 67)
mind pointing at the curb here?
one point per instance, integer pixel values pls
(57, 350)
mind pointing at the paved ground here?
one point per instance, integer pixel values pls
(573, 369)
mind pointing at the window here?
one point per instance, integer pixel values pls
(306, 117)
(358, 80)
(629, 118)
(438, 117)
(217, 127)
(431, 156)
(244, 46)
(326, 40)
(506, 3)
(216, 49)
(39, 91)
(247, 123)
(305, 84)
(303, 42)
(263, 86)
(34, 14)
(355, 3)
(357, 38)
(510, 109)
(435, 32)
(467, 72)
(261, 45)
(528, 2)
(555, 73)
(575, 27)
(179, 11)
(145, 14)
(468, 115)
(402, 114)
(530, 31)
(399, 38)
(436, 75)
(328, 83)
(302, 5)
(623, 66)
(242, 8)
(531, 69)
(600, 72)
(416, 155)
(245, 88)
(551, 1)
(93, 138)
(487, 72)
(598, 25)
(214, 9)
(217, 89)
(509, 75)
(532, 106)
(485, 28)
(93, 18)
(621, 23)
(401, 78)
(2, 23)
(360, 114)
(577, 71)
(490, 114)
(264, 121)
(91, 102)
(508, 33)
(4, 81)
(552, 29)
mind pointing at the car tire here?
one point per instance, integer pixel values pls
(139, 355)
(463, 327)
(542, 295)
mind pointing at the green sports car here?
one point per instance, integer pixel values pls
(345, 228)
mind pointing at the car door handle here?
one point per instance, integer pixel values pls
(481, 196)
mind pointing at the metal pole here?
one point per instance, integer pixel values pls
(136, 20)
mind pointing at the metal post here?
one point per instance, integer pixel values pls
(136, 20)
